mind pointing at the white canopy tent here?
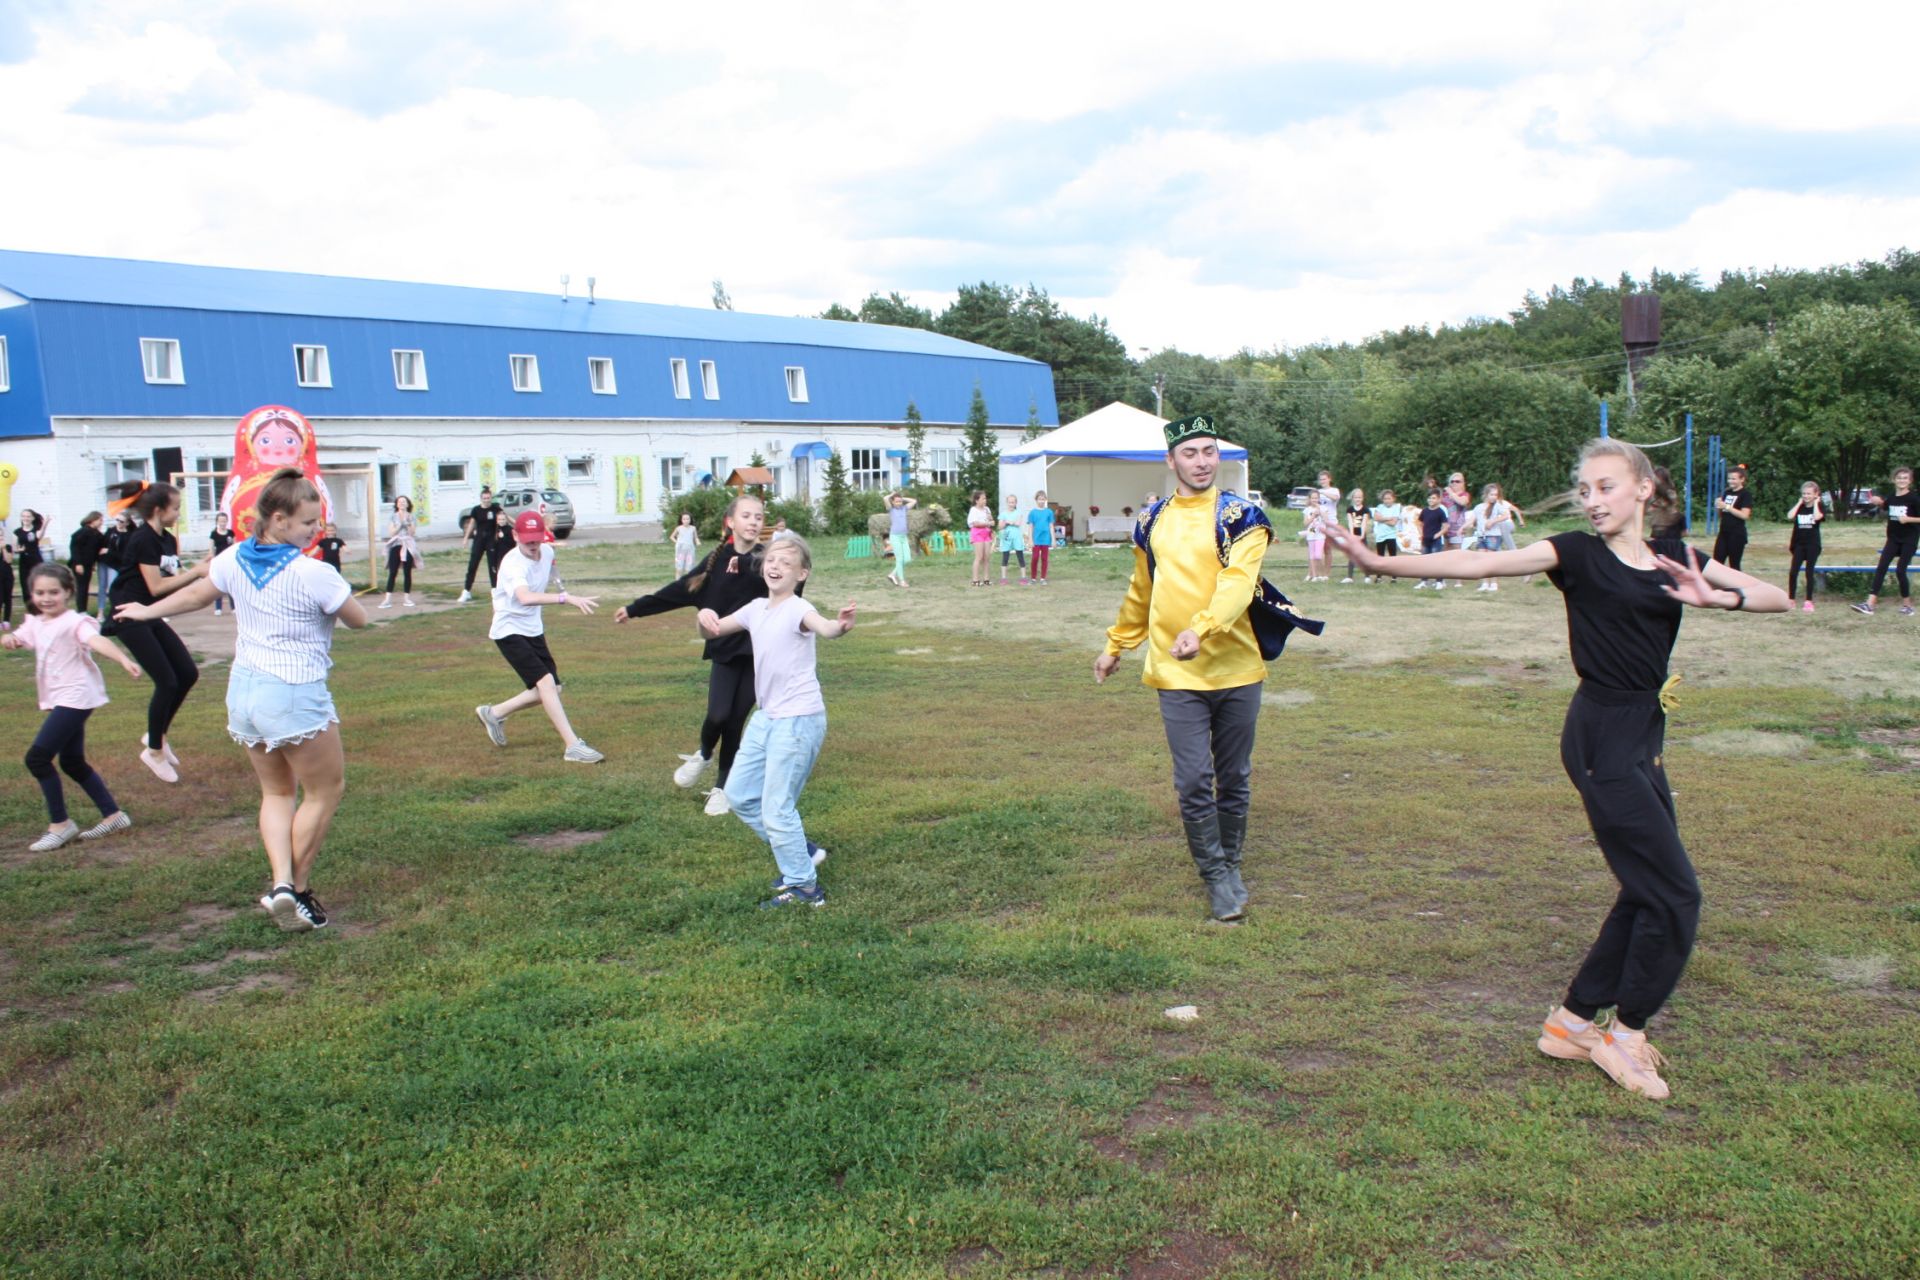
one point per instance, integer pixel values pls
(1110, 459)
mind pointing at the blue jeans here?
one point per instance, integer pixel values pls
(776, 758)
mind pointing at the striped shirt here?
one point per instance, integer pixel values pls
(286, 627)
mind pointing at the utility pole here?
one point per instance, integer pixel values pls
(1159, 389)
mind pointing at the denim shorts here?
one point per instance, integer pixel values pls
(266, 711)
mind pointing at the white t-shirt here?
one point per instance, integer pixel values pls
(286, 627)
(784, 680)
(510, 617)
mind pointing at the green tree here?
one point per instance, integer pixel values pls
(835, 311)
(1035, 429)
(836, 509)
(895, 310)
(980, 454)
(1089, 363)
(916, 443)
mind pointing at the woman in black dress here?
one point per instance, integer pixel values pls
(26, 548)
(84, 550)
(150, 570)
(1623, 597)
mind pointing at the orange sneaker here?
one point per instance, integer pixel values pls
(1633, 1063)
(1559, 1040)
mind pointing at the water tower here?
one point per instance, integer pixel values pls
(1640, 333)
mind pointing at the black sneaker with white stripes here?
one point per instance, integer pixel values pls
(309, 910)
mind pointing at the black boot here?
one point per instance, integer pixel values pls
(1203, 842)
(1233, 838)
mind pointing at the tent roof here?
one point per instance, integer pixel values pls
(1114, 431)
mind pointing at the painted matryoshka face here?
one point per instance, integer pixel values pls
(277, 443)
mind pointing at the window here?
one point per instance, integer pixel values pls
(678, 368)
(867, 468)
(310, 368)
(450, 473)
(943, 466)
(410, 370)
(709, 380)
(600, 375)
(517, 469)
(389, 482)
(718, 466)
(119, 469)
(160, 358)
(796, 384)
(206, 489)
(579, 468)
(673, 475)
(526, 372)
(6, 383)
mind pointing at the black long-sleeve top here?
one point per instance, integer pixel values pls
(84, 548)
(734, 581)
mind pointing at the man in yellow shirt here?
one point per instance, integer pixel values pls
(1196, 567)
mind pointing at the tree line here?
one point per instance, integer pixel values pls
(1806, 374)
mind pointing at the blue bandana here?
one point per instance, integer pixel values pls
(263, 562)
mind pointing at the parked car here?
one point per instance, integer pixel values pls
(1258, 498)
(1298, 498)
(1862, 504)
(551, 503)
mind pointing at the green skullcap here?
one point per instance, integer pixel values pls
(1181, 430)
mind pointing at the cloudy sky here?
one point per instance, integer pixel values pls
(1207, 176)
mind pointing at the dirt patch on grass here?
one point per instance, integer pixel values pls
(195, 919)
(1186, 1255)
(553, 841)
(265, 981)
(1871, 974)
(1891, 737)
(1173, 1104)
(963, 1262)
(1749, 742)
(232, 957)
(1286, 698)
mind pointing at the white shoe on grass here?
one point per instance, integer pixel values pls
(107, 826)
(691, 767)
(717, 803)
(51, 840)
(496, 727)
(166, 749)
(466, 597)
(581, 753)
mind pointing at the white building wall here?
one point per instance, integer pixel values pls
(65, 476)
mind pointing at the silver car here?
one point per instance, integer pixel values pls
(551, 503)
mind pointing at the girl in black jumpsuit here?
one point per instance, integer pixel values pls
(724, 581)
(1623, 597)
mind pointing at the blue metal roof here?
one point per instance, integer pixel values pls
(74, 348)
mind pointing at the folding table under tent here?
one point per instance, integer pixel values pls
(1110, 459)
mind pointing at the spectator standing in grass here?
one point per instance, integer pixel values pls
(117, 534)
(727, 579)
(1329, 495)
(784, 737)
(686, 545)
(899, 535)
(278, 705)
(1313, 527)
(1386, 516)
(980, 535)
(1357, 520)
(1040, 522)
(1491, 524)
(84, 550)
(1903, 539)
(330, 548)
(502, 543)
(151, 572)
(1736, 504)
(6, 577)
(221, 538)
(1803, 544)
(481, 524)
(1013, 537)
(1190, 610)
(1433, 524)
(1624, 597)
(64, 641)
(27, 550)
(519, 631)
(403, 550)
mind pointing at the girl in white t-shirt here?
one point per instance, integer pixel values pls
(686, 545)
(980, 533)
(783, 738)
(278, 704)
(63, 642)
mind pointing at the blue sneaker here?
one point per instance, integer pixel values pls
(818, 855)
(796, 895)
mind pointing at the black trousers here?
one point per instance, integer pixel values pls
(23, 569)
(1805, 554)
(478, 553)
(6, 591)
(495, 554)
(82, 584)
(729, 703)
(1210, 733)
(1611, 747)
(63, 736)
(1900, 555)
(397, 559)
(164, 658)
(1731, 543)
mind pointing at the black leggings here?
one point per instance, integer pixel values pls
(729, 703)
(167, 663)
(63, 735)
(82, 583)
(1900, 552)
(1386, 548)
(397, 559)
(23, 569)
(480, 551)
(1805, 556)
(6, 591)
(495, 554)
(1611, 748)
(1020, 553)
(1731, 544)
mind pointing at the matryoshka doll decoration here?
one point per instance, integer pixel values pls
(269, 438)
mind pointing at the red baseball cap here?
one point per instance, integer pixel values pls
(531, 527)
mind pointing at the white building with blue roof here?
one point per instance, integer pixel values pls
(111, 368)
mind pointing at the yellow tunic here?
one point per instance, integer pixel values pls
(1191, 591)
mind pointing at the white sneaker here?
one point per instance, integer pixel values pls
(690, 769)
(717, 803)
(1439, 586)
(386, 604)
(1420, 586)
(107, 826)
(465, 597)
(407, 601)
(581, 753)
(52, 840)
(1493, 586)
(1344, 581)
(496, 727)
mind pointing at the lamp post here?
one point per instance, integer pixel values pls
(1159, 386)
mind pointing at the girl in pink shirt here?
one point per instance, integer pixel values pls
(63, 643)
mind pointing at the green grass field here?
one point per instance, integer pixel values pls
(549, 1035)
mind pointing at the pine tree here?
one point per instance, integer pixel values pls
(916, 443)
(1034, 429)
(837, 508)
(980, 459)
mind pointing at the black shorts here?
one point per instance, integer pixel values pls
(528, 657)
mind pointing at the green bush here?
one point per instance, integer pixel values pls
(709, 508)
(853, 515)
(799, 516)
